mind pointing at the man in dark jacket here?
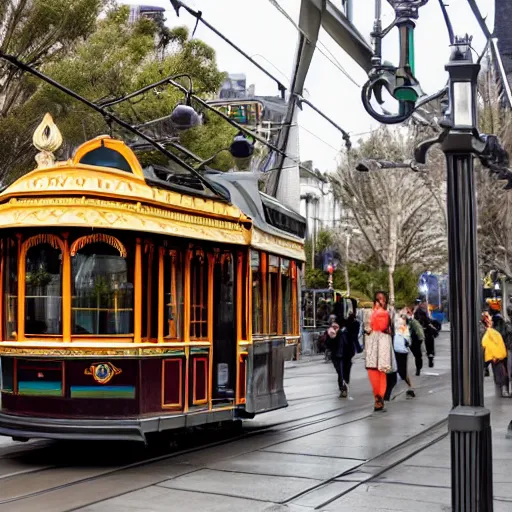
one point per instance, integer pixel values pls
(417, 339)
(342, 352)
(422, 316)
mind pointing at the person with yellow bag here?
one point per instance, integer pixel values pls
(495, 352)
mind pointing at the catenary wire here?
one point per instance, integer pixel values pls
(323, 51)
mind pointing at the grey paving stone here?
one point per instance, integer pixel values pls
(325, 493)
(285, 464)
(159, 499)
(360, 448)
(264, 488)
(385, 497)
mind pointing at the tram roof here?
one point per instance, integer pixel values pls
(105, 186)
(276, 228)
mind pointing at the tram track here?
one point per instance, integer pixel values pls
(378, 465)
(298, 427)
(294, 425)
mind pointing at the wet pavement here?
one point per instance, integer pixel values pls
(321, 453)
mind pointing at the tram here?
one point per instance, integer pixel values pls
(133, 304)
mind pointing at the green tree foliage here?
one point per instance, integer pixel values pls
(368, 278)
(102, 57)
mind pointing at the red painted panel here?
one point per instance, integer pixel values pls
(172, 383)
(200, 375)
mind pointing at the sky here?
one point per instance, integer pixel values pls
(264, 33)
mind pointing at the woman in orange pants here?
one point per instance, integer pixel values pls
(378, 346)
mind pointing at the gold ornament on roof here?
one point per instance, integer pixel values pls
(47, 139)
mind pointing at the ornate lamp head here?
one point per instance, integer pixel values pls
(47, 139)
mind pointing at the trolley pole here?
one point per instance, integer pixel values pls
(469, 421)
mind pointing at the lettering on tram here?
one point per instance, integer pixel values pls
(133, 304)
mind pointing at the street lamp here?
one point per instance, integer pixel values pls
(241, 149)
(469, 421)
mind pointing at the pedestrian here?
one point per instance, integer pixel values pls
(379, 348)
(507, 338)
(495, 352)
(353, 326)
(339, 309)
(423, 317)
(417, 338)
(401, 344)
(342, 351)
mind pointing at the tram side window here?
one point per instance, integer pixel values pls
(43, 290)
(257, 293)
(286, 297)
(273, 293)
(242, 294)
(173, 295)
(102, 296)
(10, 288)
(199, 296)
(149, 291)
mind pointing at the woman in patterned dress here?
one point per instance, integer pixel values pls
(378, 348)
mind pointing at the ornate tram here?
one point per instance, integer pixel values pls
(135, 302)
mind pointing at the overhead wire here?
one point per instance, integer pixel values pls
(335, 62)
(177, 4)
(319, 138)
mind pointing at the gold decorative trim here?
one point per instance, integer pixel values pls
(93, 352)
(99, 213)
(97, 238)
(80, 179)
(47, 139)
(116, 145)
(277, 245)
(43, 238)
(102, 373)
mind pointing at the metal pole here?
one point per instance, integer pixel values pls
(469, 421)
(347, 278)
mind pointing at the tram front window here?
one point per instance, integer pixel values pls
(43, 290)
(102, 301)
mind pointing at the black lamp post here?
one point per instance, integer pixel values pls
(469, 421)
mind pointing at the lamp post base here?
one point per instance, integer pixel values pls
(471, 444)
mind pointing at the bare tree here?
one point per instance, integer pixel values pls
(493, 202)
(400, 218)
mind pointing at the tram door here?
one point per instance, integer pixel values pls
(224, 330)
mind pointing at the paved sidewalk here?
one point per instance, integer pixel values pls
(346, 459)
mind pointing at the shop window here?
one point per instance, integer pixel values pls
(10, 288)
(173, 295)
(198, 296)
(43, 288)
(286, 297)
(273, 293)
(102, 290)
(257, 293)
